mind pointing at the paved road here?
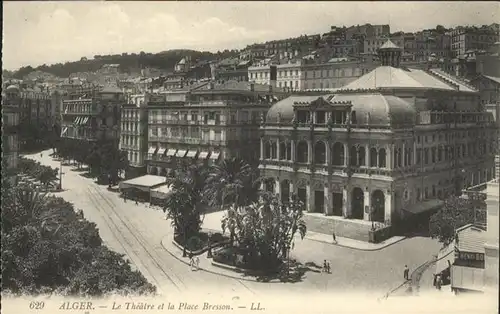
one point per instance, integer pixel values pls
(136, 230)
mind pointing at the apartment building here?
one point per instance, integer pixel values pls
(92, 112)
(208, 123)
(464, 39)
(134, 133)
(10, 129)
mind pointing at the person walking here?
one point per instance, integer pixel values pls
(328, 268)
(406, 273)
(325, 266)
(136, 202)
(334, 237)
(191, 261)
(197, 262)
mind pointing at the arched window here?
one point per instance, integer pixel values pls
(353, 161)
(267, 150)
(274, 150)
(373, 157)
(381, 158)
(302, 152)
(320, 153)
(361, 156)
(288, 151)
(283, 151)
(338, 154)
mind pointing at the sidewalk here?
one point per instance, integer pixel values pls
(213, 221)
(206, 263)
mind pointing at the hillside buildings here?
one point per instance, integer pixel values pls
(385, 147)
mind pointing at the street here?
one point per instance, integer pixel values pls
(137, 230)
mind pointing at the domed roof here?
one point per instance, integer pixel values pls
(371, 108)
(12, 88)
(283, 109)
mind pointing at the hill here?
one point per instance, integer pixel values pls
(164, 60)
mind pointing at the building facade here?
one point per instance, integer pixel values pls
(10, 125)
(134, 133)
(214, 122)
(393, 142)
(91, 113)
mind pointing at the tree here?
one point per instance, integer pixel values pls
(185, 205)
(456, 212)
(47, 175)
(46, 247)
(233, 182)
(265, 230)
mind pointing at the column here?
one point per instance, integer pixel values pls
(328, 201)
(277, 187)
(388, 206)
(309, 152)
(261, 148)
(310, 198)
(346, 154)
(367, 156)
(293, 150)
(415, 153)
(366, 215)
(346, 202)
(404, 155)
(327, 153)
(293, 189)
(278, 149)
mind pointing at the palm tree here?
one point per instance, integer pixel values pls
(185, 204)
(231, 182)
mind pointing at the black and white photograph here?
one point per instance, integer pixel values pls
(250, 157)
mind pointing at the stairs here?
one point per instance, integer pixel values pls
(346, 228)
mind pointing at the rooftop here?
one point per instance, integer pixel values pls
(471, 239)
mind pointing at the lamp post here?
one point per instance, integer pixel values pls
(209, 253)
(60, 175)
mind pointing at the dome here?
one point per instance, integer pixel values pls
(370, 108)
(283, 109)
(12, 88)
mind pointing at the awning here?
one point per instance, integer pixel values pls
(171, 152)
(76, 120)
(161, 151)
(214, 156)
(203, 155)
(151, 150)
(85, 120)
(64, 131)
(181, 153)
(424, 206)
(446, 257)
(144, 183)
(192, 153)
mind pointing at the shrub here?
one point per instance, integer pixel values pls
(194, 243)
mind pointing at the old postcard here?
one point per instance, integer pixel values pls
(250, 157)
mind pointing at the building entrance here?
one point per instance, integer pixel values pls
(338, 204)
(319, 201)
(357, 203)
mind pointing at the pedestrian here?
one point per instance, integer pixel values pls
(328, 268)
(41, 155)
(406, 273)
(136, 202)
(439, 282)
(191, 261)
(334, 237)
(197, 262)
(434, 281)
(325, 266)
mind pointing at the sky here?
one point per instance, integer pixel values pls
(36, 33)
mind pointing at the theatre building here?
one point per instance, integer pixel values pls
(388, 146)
